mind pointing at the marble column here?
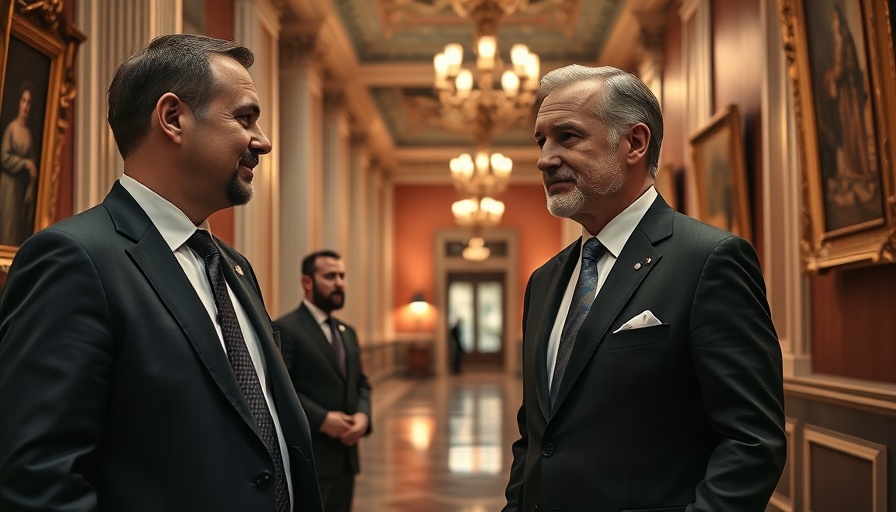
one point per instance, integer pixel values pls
(256, 224)
(336, 172)
(115, 30)
(358, 251)
(301, 160)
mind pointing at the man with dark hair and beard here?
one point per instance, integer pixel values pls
(138, 367)
(324, 361)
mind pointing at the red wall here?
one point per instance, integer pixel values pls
(421, 210)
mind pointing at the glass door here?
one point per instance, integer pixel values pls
(476, 317)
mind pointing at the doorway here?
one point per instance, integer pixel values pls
(477, 301)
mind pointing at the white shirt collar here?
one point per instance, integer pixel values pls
(316, 312)
(616, 233)
(172, 223)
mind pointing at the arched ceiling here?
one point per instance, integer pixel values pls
(380, 54)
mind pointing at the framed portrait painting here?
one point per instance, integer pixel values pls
(722, 191)
(37, 58)
(840, 60)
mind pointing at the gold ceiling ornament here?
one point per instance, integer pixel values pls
(486, 13)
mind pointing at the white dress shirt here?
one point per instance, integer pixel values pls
(614, 236)
(176, 228)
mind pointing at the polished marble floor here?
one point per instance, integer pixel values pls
(439, 444)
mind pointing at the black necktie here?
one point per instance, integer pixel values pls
(240, 361)
(578, 310)
(336, 342)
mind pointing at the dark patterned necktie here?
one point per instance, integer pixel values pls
(240, 361)
(336, 342)
(578, 310)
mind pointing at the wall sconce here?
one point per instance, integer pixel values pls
(419, 304)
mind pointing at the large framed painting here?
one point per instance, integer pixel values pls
(37, 69)
(723, 196)
(840, 59)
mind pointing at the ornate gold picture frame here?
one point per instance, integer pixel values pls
(723, 195)
(38, 48)
(840, 58)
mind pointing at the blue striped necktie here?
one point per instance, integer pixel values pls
(578, 310)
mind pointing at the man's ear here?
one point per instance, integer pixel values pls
(167, 113)
(638, 137)
(306, 284)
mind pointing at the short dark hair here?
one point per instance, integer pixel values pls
(310, 261)
(177, 63)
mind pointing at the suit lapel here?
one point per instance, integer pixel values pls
(551, 287)
(157, 263)
(637, 258)
(318, 338)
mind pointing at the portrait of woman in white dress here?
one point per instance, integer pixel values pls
(18, 173)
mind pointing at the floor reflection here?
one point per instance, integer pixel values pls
(439, 445)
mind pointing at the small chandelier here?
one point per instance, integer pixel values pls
(487, 175)
(477, 213)
(476, 250)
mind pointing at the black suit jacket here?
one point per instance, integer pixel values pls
(686, 415)
(321, 386)
(115, 392)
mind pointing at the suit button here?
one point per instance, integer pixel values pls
(263, 480)
(548, 450)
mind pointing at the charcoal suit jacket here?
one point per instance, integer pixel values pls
(684, 415)
(321, 386)
(115, 391)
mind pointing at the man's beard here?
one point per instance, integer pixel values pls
(239, 191)
(328, 303)
(566, 204)
(603, 178)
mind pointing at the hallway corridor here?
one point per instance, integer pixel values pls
(439, 444)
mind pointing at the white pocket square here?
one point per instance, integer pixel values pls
(645, 319)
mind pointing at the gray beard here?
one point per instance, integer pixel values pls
(566, 205)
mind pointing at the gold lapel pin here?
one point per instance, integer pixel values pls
(648, 260)
(238, 270)
(341, 328)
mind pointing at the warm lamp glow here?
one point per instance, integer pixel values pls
(418, 304)
(478, 213)
(464, 82)
(485, 176)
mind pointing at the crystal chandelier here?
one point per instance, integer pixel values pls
(477, 213)
(474, 103)
(476, 250)
(486, 175)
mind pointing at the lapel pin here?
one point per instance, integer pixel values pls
(341, 328)
(637, 266)
(648, 260)
(238, 270)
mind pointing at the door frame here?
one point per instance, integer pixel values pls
(509, 265)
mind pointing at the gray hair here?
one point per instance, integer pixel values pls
(625, 102)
